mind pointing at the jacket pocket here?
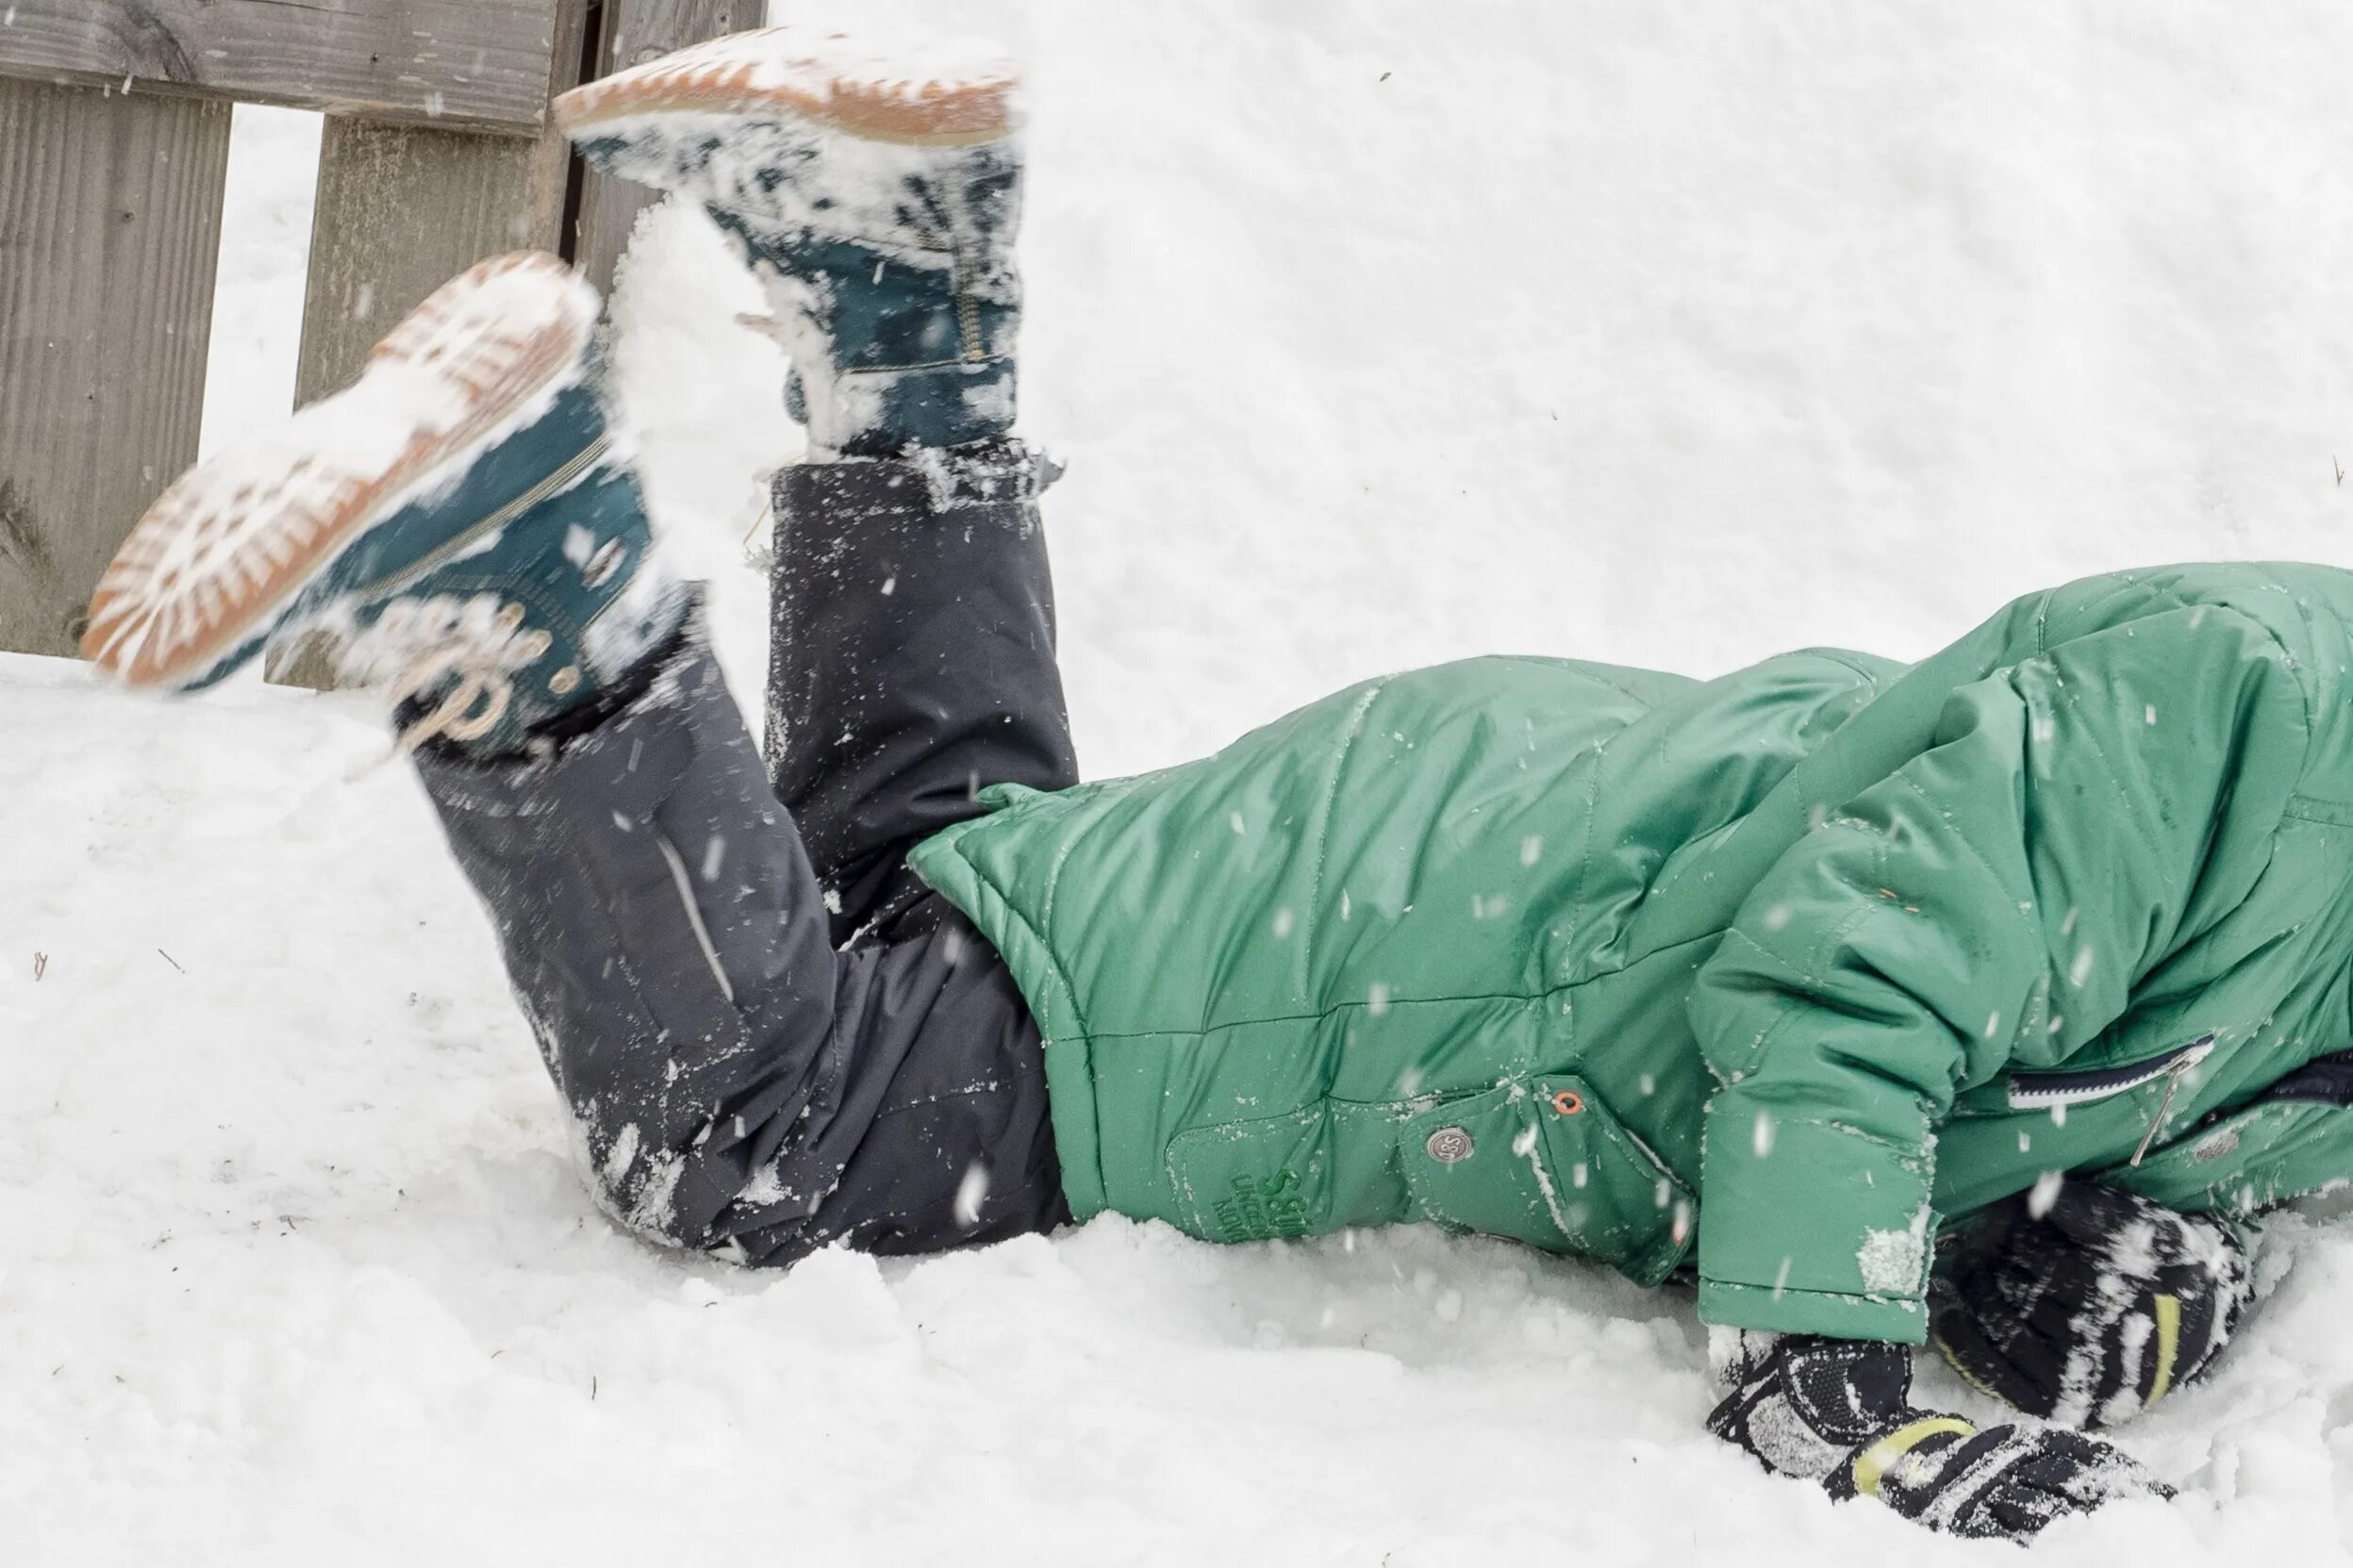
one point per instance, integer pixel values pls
(2036, 1091)
(2055, 1091)
(1547, 1163)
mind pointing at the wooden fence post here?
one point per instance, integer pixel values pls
(402, 209)
(109, 233)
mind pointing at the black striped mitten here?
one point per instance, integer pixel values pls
(1839, 1411)
(2096, 1309)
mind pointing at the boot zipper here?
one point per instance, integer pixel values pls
(2040, 1091)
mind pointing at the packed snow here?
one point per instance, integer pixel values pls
(1668, 335)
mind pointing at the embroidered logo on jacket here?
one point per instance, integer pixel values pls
(1260, 1212)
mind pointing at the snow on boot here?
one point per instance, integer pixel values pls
(874, 191)
(456, 520)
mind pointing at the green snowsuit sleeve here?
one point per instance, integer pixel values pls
(1991, 902)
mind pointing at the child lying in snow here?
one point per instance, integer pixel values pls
(1980, 1000)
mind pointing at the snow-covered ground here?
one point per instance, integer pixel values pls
(1667, 334)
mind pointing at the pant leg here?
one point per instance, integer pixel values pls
(911, 662)
(739, 1084)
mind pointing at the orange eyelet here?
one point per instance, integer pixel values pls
(1568, 1102)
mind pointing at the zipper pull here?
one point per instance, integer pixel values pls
(2174, 1072)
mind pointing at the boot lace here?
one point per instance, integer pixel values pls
(476, 644)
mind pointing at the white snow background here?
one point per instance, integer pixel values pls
(1375, 334)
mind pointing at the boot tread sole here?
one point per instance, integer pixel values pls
(949, 96)
(233, 540)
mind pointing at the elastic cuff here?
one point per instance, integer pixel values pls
(1896, 1319)
(887, 409)
(978, 473)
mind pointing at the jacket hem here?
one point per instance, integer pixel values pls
(1835, 1315)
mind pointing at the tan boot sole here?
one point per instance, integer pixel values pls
(234, 539)
(827, 78)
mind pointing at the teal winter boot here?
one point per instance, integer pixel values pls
(875, 194)
(457, 523)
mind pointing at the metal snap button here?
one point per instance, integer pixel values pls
(1449, 1146)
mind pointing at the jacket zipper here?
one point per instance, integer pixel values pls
(2040, 1091)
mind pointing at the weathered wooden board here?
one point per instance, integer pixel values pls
(630, 32)
(483, 63)
(109, 231)
(400, 212)
(402, 209)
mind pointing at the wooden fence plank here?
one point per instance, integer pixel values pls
(400, 209)
(630, 33)
(400, 212)
(109, 233)
(484, 63)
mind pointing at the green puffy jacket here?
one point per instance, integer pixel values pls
(1793, 966)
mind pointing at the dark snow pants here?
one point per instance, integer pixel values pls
(770, 1033)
